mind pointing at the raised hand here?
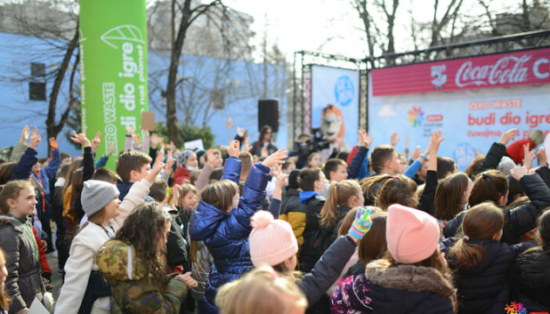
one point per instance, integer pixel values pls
(53, 143)
(155, 140)
(169, 162)
(528, 157)
(518, 172)
(96, 141)
(246, 148)
(276, 158)
(137, 140)
(435, 140)
(35, 139)
(416, 154)
(176, 190)
(508, 136)
(394, 139)
(81, 139)
(157, 167)
(210, 158)
(281, 176)
(367, 139)
(130, 131)
(233, 149)
(25, 133)
(112, 149)
(240, 131)
(362, 223)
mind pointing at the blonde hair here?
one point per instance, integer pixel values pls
(338, 195)
(260, 291)
(536, 136)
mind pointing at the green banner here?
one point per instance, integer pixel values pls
(113, 69)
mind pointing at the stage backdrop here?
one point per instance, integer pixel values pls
(338, 87)
(473, 100)
(113, 68)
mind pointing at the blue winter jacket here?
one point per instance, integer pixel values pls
(226, 234)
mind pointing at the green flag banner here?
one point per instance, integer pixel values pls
(113, 69)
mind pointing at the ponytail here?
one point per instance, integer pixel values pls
(481, 222)
(490, 185)
(338, 195)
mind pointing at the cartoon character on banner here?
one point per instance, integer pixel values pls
(333, 129)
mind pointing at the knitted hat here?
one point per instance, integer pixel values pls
(505, 165)
(183, 157)
(96, 195)
(271, 241)
(412, 235)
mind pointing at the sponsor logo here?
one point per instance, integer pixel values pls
(439, 78)
(344, 91)
(434, 118)
(416, 116)
(515, 308)
(507, 70)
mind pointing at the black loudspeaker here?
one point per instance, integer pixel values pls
(268, 114)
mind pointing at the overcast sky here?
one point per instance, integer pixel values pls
(333, 26)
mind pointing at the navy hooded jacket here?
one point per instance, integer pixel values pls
(226, 234)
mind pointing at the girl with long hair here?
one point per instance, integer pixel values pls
(451, 197)
(492, 186)
(85, 288)
(23, 283)
(133, 264)
(222, 220)
(481, 262)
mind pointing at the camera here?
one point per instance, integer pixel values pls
(315, 144)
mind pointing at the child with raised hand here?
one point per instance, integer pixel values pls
(85, 288)
(23, 282)
(492, 185)
(261, 291)
(481, 262)
(272, 243)
(529, 280)
(222, 220)
(133, 264)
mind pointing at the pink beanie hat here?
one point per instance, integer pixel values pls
(412, 235)
(271, 241)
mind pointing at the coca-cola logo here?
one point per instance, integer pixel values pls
(507, 70)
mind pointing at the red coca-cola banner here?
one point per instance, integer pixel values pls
(502, 70)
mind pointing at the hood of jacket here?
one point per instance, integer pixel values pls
(407, 288)
(118, 261)
(534, 270)
(6, 220)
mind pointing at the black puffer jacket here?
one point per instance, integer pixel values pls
(484, 288)
(530, 280)
(520, 219)
(24, 283)
(310, 251)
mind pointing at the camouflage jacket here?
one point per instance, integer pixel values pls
(132, 289)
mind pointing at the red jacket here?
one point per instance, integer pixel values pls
(43, 261)
(181, 175)
(515, 150)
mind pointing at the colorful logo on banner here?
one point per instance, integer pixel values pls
(416, 116)
(464, 153)
(344, 91)
(515, 308)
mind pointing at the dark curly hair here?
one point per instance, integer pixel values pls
(141, 230)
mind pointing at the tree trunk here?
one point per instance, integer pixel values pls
(53, 128)
(177, 47)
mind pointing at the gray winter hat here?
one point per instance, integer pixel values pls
(96, 195)
(183, 157)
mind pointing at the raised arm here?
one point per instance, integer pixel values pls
(232, 168)
(23, 169)
(426, 203)
(496, 152)
(365, 140)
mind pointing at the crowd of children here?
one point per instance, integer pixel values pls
(242, 229)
